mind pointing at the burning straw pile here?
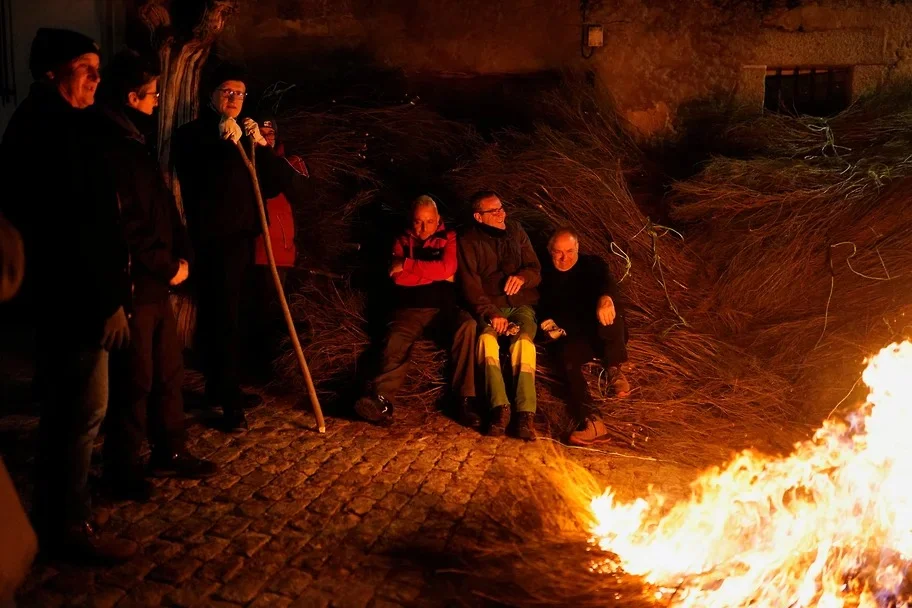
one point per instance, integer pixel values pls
(688, 384)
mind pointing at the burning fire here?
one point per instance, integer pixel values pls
(829, 526)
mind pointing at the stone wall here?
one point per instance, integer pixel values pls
(658, 57)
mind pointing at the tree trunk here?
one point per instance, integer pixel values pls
(181, 33)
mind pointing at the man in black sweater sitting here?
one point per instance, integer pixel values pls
(581, 311)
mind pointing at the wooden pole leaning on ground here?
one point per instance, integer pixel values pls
(250, 162)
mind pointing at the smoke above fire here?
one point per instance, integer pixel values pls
(828, 526)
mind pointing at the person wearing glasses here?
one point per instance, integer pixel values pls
(147, 378)
(223, 221)
(499, 273)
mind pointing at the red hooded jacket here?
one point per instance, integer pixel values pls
(281, 221)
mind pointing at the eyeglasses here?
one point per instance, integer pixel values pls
(494, 210)
(231, 93)
(144, 95)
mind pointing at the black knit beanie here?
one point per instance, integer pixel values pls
(51, 48)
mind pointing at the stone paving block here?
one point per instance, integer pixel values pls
(237, 493)
(269, 525)
(253, 508)
(206, 548)
(176, 510)
(281, 548)
(312, 598)
(376, 489)
(245, 586)
(73, 581)
(194, 593)
(242, 468)
(101, 597)
(222, 481)
(146, 529)
(200, 494)
(215, 510)
(188, 529)
(225, 455)
(249, 543)
(360, 505)
(270, 600)
(306, 493)
(290, 582)
(229, 526)
(128, 574)
(133, 512)
(176, 571)
(160, 551)
(285, 508)
(394, 501)
(147, 593)
(222, 568)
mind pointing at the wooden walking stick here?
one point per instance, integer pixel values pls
(250, 162)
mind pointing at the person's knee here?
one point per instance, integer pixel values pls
(488, 348)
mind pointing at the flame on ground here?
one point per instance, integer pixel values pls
(829, 526)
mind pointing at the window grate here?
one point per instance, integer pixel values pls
(814, 91)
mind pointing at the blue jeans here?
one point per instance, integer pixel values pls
(76, 398)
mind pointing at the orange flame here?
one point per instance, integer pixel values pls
(829, 526)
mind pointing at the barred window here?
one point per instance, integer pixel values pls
(815, 91)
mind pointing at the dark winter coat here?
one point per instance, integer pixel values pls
(487, 258)
(155, 235)
(570, 298)
(67, 211)
(216, 189)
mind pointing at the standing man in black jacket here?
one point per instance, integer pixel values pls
(76, 280)
(223, 221)
(147, 379)
(582, 313)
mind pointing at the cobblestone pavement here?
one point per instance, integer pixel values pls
(360, 516)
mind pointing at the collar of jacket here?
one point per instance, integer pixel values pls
(497, 233)
(119, 117)
(48, 98)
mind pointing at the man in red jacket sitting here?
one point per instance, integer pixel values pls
(423, 270)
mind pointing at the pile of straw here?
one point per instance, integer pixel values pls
(689, 385)
(807, 237)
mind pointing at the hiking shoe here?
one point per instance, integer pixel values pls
(498, 421)
(593, 431)
(525, 426)
(376, 410)
(466, 413)
(618, 382)
(182, 465)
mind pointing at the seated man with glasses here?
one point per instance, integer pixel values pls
(499, 272)
(223, 221)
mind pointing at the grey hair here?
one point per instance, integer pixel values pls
(424, 201)
(566, 230)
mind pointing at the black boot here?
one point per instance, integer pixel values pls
(377, 410)
(466, 414)
(180, 464)
(233, 419)
(498, 421)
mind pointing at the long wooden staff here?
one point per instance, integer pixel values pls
(250, 162)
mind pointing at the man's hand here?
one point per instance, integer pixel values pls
(514, 284)
(183, 271)
(252, 129)
(116, 333)
(397, 266)
(550, 327)
(500, 324)
(605, 310)
(230, 130)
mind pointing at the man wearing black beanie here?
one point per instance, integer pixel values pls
(75, 284)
